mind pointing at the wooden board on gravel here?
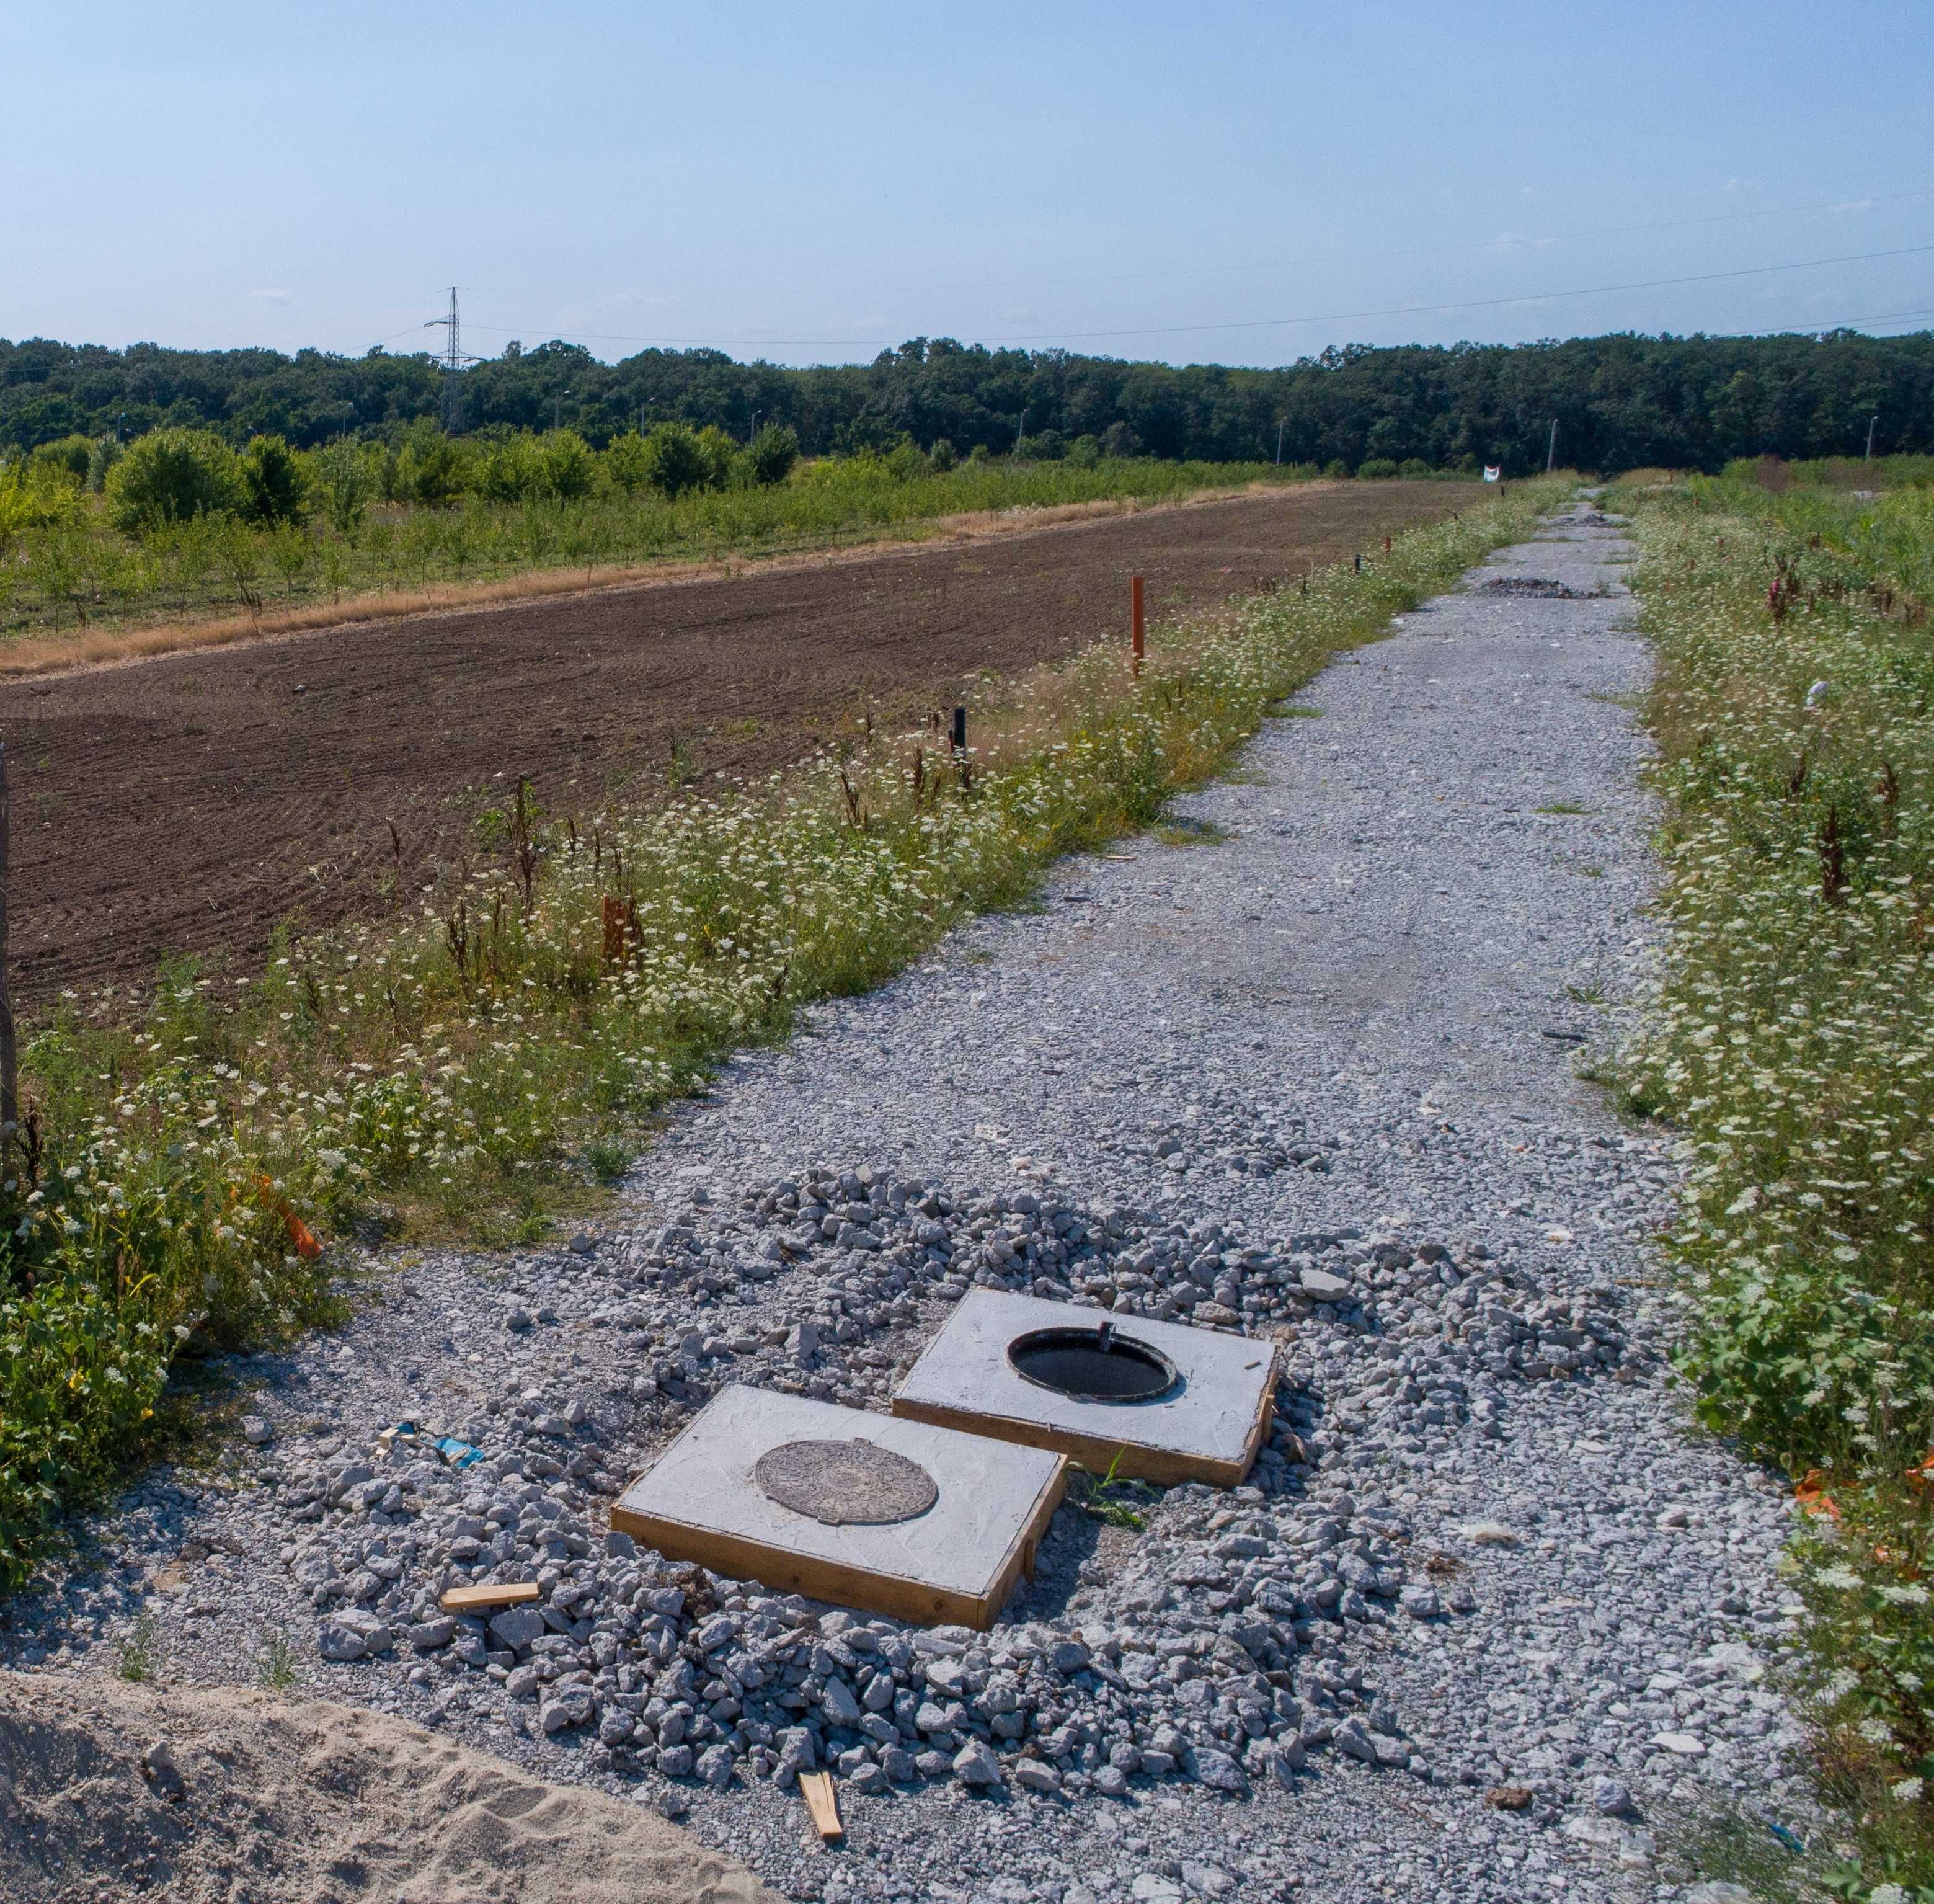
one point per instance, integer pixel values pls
(193, 801)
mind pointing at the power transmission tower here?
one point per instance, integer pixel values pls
(452, 357)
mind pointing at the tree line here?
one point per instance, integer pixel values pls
(1620, 401)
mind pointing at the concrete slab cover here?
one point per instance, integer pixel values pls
(1207, 1426)
(956, 1560)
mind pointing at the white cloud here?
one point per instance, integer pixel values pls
(272, 297)
(1853, 205)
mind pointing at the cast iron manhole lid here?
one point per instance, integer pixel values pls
(846, 1484)
(1092, 1365)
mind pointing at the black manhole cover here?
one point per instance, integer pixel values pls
(1092, 1365)
(846, 1484)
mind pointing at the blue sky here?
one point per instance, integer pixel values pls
(810, 183)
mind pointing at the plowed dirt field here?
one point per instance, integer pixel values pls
(190, 802)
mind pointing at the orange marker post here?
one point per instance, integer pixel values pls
(1138, 645)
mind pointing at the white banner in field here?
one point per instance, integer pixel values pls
(1493, 471)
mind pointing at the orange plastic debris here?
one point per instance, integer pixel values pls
(1811, 1493)
(300, 1235)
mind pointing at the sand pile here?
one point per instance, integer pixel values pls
(109, 1790)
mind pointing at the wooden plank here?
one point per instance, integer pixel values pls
(466, 1599)
(839, 1582)
(1098, 1454)
(820, 1802)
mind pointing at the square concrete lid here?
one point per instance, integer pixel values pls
(1208, 1427)
(700, 1501)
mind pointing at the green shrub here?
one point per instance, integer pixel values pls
(82, 1369)
(172, 476)
(942, 457)
(1376, 469)
(567, 466)
(275, 489)
(675, 461)
(1414, 467)
(69, 459)
(626, 463)
(431, 468)
(511, 469)
(105, 454)
(720, 452)
(348, 483)
(774, 452)
(1085, 452)
(1337, 469)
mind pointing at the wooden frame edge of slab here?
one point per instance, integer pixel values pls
(1097, 1454)
(840, 1583)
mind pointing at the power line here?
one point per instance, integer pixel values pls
(1088, 280)
(1244, 323)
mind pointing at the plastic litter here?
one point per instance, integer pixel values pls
(457, 1454)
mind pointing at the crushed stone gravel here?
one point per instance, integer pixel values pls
(1488, 1609)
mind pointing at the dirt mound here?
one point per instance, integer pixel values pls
(112, 1790)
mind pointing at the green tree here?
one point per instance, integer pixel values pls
(626, 461)
(773, 454)
(172, 476)
(675, 460)
(105, 454)
(719, 451)
(66, 459)
(567, 467)
(512, 469)
(275, 487)
(430, 468)
(347, 485)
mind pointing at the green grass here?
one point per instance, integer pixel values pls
(1112, 1500)
(1566, 807)
(1791, 1041)
(276, 1664)
(1723, 1844)
(135, 1653)
(476, 1066)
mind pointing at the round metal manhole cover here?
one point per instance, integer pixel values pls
(846, 1484)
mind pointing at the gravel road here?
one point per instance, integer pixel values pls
(1490, 1618)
